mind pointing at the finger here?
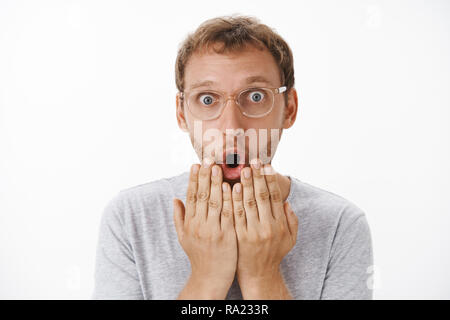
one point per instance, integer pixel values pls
(178, 216)
(204, 182)
(191, 194)
(261, 192)
(251, 209)
(226, 219)
(215, 198)
(292, 220)
(240, 220)
(274, 191)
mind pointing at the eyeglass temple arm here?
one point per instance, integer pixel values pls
(281, 89)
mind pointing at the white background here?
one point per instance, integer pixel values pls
(87, 108)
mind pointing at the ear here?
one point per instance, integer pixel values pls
(290, 113)
(181, 119)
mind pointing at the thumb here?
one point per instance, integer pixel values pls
(178, 215)
(292, 220)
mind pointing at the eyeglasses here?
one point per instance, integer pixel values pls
(253, 102)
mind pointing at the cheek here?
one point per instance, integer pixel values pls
(188, 117)
(278, 117)
(274, 120)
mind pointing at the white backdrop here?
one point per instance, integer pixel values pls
(87, 108)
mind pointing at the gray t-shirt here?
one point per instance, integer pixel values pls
(139, 256)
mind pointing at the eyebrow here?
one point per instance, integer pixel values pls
(249, 80)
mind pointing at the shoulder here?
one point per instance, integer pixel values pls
(154, 194)
(322, 210)
(156, 188)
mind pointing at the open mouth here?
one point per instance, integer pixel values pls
(232, 160)
(234, 163)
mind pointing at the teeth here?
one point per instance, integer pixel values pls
(232, 160)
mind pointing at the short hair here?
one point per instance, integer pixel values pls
(234, 32)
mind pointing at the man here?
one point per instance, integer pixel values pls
(233, 227)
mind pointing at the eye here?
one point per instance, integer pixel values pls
(256, 96)
(206, 99)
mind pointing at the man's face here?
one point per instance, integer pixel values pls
(233, 139)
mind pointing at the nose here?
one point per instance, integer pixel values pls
(231, 117)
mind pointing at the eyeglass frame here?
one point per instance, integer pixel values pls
(235, 97)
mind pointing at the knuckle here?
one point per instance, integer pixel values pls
(203, 173)
(263, 195)
(215, 181)
(267, 234)
(202, 196)
(217, 237)
(201, 235)
(251, 203)
(282, 229)
(196, 234)
(191, 197)
(240, 212)
(213, 204)
(275, 196)
(254, 238)
(226, 212)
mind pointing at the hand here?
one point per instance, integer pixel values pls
(266, 228)
(206, 233)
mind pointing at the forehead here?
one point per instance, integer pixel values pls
(231, 70)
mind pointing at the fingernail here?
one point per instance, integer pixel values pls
(215, 171)
(255, 163)
(238, 188)
(224, 187)
(247, 173)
